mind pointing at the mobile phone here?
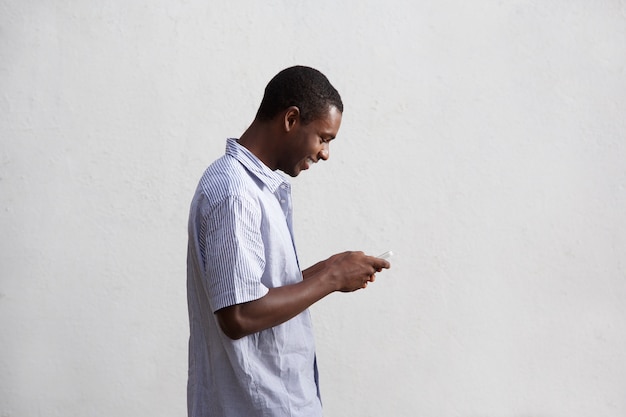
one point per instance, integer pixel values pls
(385, 255)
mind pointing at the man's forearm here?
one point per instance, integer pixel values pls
(276, 307)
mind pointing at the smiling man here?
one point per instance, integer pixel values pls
(251, 348)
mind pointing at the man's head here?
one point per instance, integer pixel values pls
(298, 117)
(303, 87)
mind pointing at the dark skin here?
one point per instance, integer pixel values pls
(287, 144)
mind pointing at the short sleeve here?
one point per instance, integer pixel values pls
(235, 254)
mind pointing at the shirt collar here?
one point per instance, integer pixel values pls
(272, 179)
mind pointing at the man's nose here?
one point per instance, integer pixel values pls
(325, 152)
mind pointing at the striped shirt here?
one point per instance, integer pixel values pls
(240, 245)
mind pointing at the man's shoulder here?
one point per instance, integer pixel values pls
(226, 176)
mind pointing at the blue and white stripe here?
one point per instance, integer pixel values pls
(241, 245)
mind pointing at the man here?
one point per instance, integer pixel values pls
(251, 350)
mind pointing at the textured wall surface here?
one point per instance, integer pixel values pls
(484, 142)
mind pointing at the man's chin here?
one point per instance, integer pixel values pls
(296, 170)
(293, 172)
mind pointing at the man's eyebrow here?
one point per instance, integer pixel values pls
(327, 134)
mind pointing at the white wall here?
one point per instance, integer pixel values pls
(483, 141)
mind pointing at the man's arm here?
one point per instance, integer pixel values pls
(345, 272)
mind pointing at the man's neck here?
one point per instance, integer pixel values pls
(260, 139)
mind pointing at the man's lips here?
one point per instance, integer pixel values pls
(308, 162)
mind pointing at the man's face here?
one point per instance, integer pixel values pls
(309, 143)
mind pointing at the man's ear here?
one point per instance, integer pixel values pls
(292, 118)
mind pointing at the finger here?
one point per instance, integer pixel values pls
(379, 264)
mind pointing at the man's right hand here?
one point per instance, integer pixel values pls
(351, 271)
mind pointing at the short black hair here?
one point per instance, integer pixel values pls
(300, 86)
